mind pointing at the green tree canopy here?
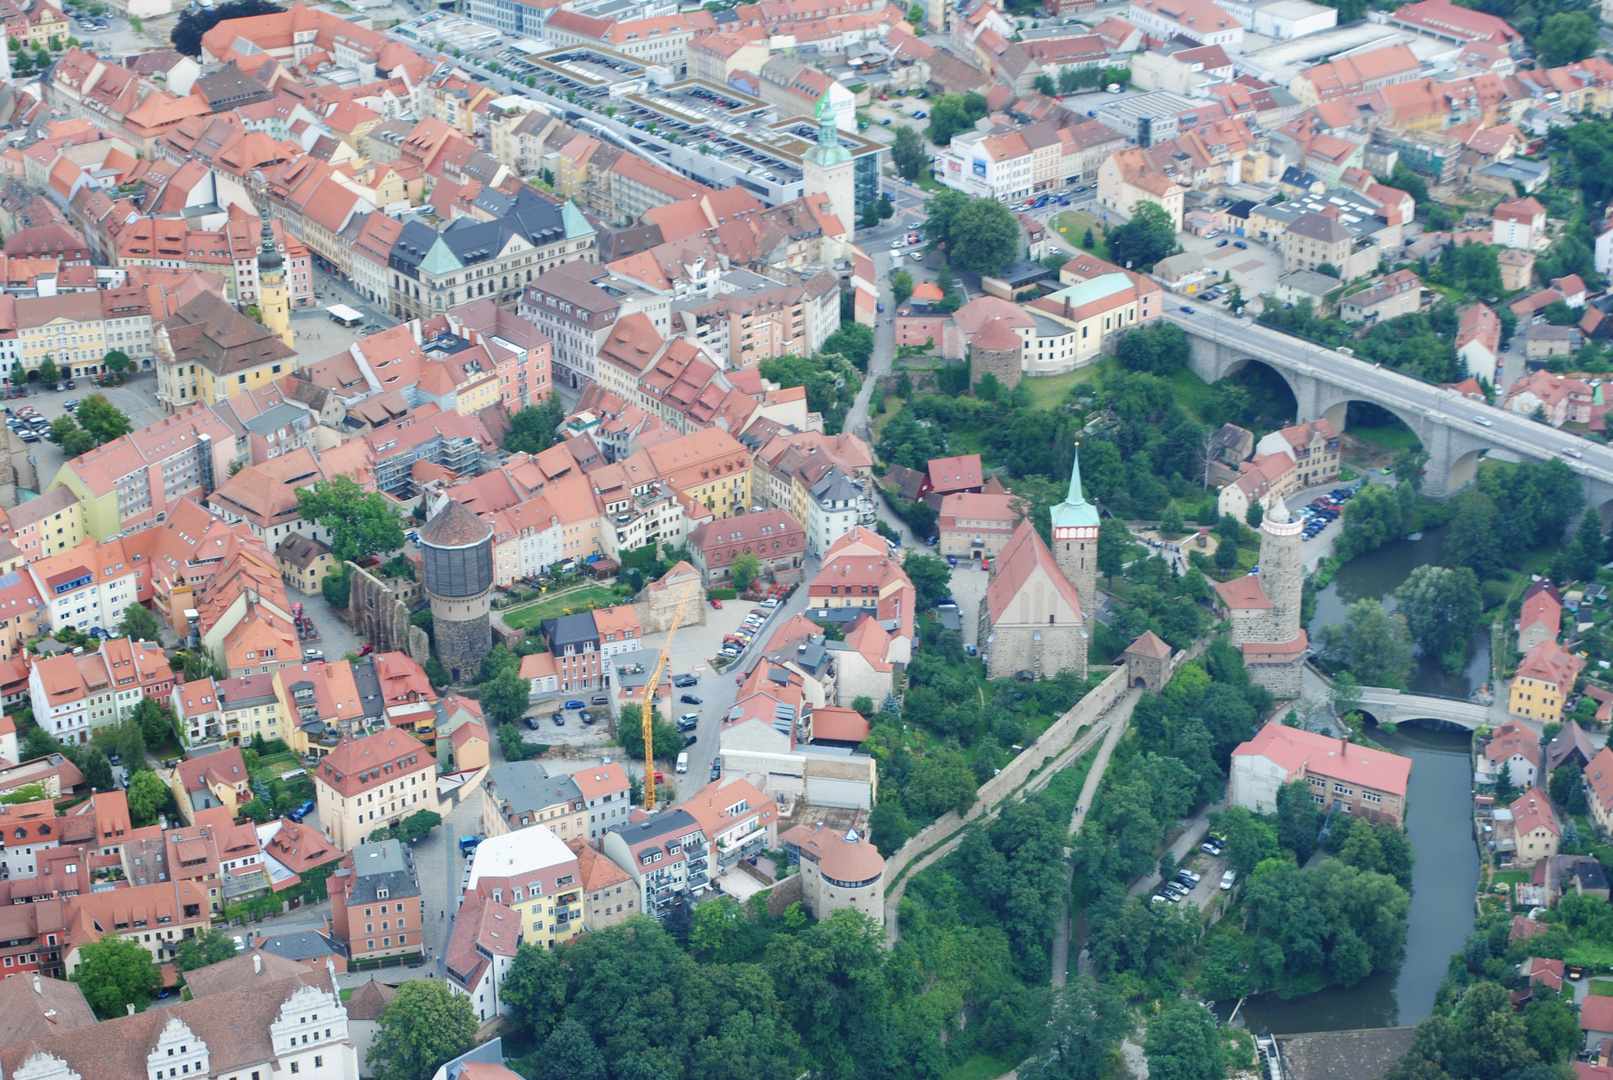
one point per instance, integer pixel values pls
(139, 623)
(1442, 608)
(208, 947)
(532, 429)
(148, 796)
(984, 237)
(361, 525)
(1141, 242)
(114, 973)
(931, 577)
(1183, 1044)
(101, 418)
(1568, 36)
(117, 361)
(48, 371)
(424, 1026)
(908, 154)
(1374, 645)
(745, 569)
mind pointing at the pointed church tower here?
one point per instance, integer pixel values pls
(272, 301)
(827, 169)
(1075, 539)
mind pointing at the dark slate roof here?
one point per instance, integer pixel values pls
(302, 945)
(531, 216)
(368, 685)
(570, 630)
(381, 866)
(454, 526)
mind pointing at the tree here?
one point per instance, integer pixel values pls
(60, 428)
(984, 237)
(630, 733)
(1141, 242)
(1161, 349)
(424, 1026)
(1551, 1027)
(532, 429)
(1171, 524)
(870, 217)
(952, 113)
(337, 588)
(101, 418)
(746, 568)
(1087, 1019)
(908, 154)
(901, 289)
(208, 947)
(887, 208)
(1442, 608)
(1374, 645)
(1255, 514)
(416, 825)
(1330, 270)
(1226, 555)
(854, 341)
(1346, 694)
(1235, 301)
(117, 361)
(1585, 554)
(1568, 36)
(78, 442)
(1115, 545)
(535, 988)
(1183, 1044)
(1044, 84)
(148, 796)
(940, 782)
(48, 371)
(506, 696)
(114, 973)
(361, 525)
(569, 1052)
(139, 623)
(931, 577)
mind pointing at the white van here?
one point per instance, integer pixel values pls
(683, 762)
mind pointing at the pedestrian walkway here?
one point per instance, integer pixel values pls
(1119, 717)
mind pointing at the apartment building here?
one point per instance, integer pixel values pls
(535, 875)
(611, 896)
(577, 305)
(662, 41)
(708, 467)
(373, 781)
(77, 329)
(668, 857)
(519, 794)
(1544, 680)
(520, 352)
(481, 950)
(233, 710)
(48, 525)
(996, 164)
(210, 352)
(376, 912)
(607, 795)
(88, 587)
(974, 525)
(1343, 777)
(159, 916)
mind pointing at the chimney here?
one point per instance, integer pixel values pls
(130, 1007)
(38, 986)
(257, 963)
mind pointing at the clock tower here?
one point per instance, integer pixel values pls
(1075, 540)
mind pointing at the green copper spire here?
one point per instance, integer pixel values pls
(828, 150)
(1075, 512)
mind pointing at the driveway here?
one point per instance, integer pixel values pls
(1188, 857)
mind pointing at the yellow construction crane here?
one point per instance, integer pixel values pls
(649, 701)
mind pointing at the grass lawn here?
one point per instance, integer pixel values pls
(1192, 393)
(1392, 437)
(1509, 877)
(1049, 392)
(589, 596)
(1073, 226)
(1601, 988)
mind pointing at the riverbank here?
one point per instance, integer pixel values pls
(1441, 915)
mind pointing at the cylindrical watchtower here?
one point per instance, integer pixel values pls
(456, 556)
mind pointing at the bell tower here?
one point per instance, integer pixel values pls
(827, 169)
(1075, 540)
(272, 302)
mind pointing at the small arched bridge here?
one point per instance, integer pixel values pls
(1394, 707)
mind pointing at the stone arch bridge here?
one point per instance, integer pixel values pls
(1456, 431)
(1394, 707)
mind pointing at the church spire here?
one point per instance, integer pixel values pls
(1075, 512)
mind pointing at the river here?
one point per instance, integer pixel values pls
(1438, 823)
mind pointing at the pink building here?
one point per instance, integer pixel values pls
(520, 351)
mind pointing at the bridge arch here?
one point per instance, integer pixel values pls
(1272, 382)
(1465, 469)
(1337, 411)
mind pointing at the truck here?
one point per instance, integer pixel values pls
(467, 844)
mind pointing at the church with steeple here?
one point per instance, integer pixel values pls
(1035, 617)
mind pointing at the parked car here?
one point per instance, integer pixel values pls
(532, 723)
(771, 602)
(1188, 877)
(681, 681)
(302, 811)
(1240, 244)
(690, 739)
(689, 699)
(467, 844)
(1210, 848)
(688, 721)
(586, 717)
(575, 705)
(716, 603)
(599, 699)
(1227, 879)
(559, 719)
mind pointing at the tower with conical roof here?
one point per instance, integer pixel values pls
(1282, 569)
(1075, 539)
(272, 302)
(827, 168)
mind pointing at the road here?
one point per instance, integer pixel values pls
(1403, 394)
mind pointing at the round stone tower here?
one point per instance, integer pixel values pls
(1282, 569)
(996, 348)
(456, 555)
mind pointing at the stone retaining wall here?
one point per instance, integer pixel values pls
(1054, 741)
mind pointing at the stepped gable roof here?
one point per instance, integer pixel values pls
(454, 526)
(1020, 556)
